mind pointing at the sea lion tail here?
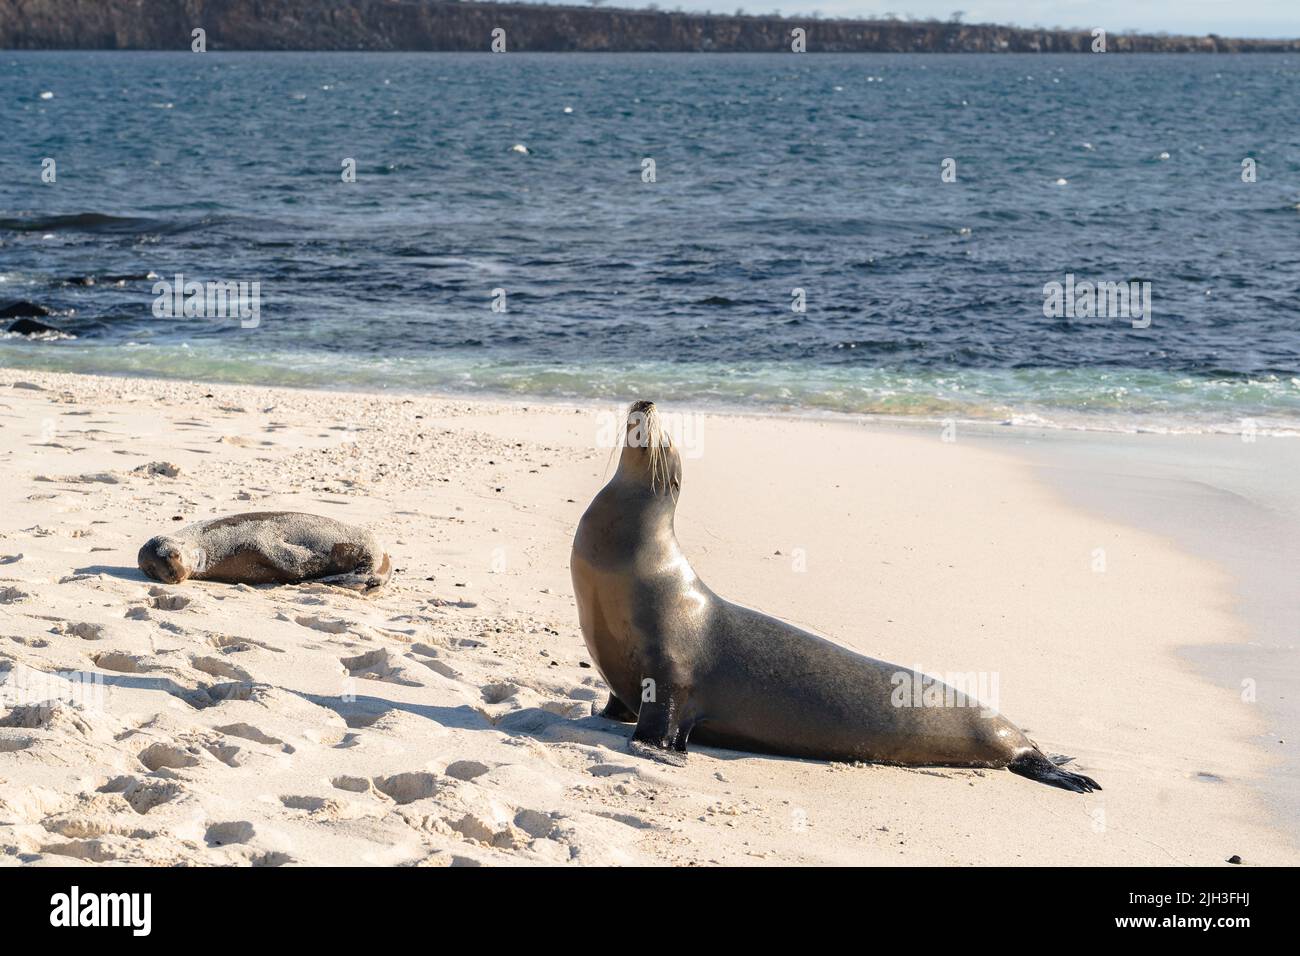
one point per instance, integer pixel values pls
(1036, 766)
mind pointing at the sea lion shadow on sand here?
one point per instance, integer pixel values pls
(680, 660)
(114, 571)
(362, 711)
(269, 547)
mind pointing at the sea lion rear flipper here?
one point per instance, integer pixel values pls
(615, 709)
(1035, 766)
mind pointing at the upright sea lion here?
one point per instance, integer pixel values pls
(268, 547)
(680, 660)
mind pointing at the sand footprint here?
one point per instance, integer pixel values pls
(428, 656)
(466, 769)
(536, 824)
(233, 831)
(498, 693)
(99, 477)
(570, 709)
(236, 645)
(479, 830)
(360, 720)
(216, 667)
(29, 641)
(317, 623)
(161, 756)
(327, 808)
(249, 732)
(352, 784)
(164, 600)
(226, 753)
(234, 690)
(91, 851)
(121, 662)
(379, 665)
(310, 804)
(404, 788)
(143, 795)
(83, 629)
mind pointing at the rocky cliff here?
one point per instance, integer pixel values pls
(450, 25)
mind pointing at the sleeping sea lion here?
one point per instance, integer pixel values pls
(268, 547)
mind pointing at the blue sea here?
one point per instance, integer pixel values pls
(501, 236)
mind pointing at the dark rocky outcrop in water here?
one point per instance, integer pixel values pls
(448, 25)
(31, 327)
(25, 325)
(23, 308)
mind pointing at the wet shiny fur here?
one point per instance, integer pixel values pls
(686, 664)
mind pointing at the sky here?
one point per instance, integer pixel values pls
(1240, 18)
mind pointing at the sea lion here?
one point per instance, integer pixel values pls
(681, 661)
(268, 547)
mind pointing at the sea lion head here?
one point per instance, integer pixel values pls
(649, 458)
(163, 559)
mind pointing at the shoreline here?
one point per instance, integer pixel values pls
(1008, 418)
(902, 472)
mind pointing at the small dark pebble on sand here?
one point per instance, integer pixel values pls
(1234, 859)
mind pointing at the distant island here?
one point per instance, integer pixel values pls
(454, 26)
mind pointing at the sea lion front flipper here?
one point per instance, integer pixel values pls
(615, 709)
(660, 731)
(352, 582)
(363, 579)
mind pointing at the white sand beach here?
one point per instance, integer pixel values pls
(448, 719)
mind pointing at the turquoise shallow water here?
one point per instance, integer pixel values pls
(773, 173)
(1104, 400)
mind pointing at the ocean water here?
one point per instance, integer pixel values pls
(772, 173)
